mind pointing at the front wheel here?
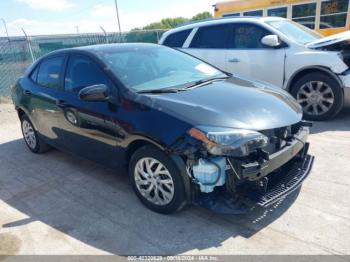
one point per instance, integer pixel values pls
(156, 180)
(320, 95)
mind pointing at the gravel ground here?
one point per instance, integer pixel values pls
(57, 203)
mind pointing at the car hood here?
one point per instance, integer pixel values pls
(235, 103)
(333, 41)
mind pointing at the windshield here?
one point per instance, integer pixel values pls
(156, 67)
(295, 31)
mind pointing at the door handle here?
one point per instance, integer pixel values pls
(27, 92)
(234, 60)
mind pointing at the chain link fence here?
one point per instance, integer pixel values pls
(17, 53)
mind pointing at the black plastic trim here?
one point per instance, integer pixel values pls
(291, 182)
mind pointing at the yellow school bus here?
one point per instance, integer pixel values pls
(325, 16)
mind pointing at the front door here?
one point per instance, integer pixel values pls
(249, 58)
(83, 129)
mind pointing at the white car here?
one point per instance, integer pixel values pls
(314, 69)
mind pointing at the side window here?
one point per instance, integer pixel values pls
(34, 74)
(305, 14)
(50, 70)
(216, 37)
(253, 13)
(177, 39)
(279, 12)
(232, 15)
(333, 13)
(82, 72)
(248, 36)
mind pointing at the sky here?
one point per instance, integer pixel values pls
(41, 17)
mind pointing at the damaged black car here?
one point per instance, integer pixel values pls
(185, 132)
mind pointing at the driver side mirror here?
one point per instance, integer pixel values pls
(271, 41)
(94, 93)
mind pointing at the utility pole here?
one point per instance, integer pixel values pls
(4, 22)
(117, 11)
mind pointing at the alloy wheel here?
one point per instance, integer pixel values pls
(29, 134)
(316, 98)
(154, 181)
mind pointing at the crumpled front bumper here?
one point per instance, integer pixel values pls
(292, 177)
(290, 182)
(282, 174)
(255, 171)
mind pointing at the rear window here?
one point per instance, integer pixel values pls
(50, 70)
(177, 39)
(212, 37)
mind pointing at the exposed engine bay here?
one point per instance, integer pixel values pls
(261, 171)
(340, 43)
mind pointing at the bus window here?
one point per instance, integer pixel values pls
(231, 14)
(280, 12)
(305, 14)
(253, 13)
(333, 13)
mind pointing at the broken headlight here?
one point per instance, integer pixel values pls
(229, 142)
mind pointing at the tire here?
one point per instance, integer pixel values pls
(320, 95)
(168, 177)
(31, 137)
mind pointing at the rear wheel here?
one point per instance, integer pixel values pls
(156, 180)
(31, 137)
(320, 95)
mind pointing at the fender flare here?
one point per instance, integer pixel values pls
(177, 159)
(181, 165)
(26, 112)
(319, 68)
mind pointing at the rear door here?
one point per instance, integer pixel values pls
(210, 43)
(45, 94)
(248, 57)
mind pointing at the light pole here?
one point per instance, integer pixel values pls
(4, 22)
(117, 11)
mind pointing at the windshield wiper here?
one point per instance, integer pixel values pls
(176, 90)
(204, 81)
(159, 91)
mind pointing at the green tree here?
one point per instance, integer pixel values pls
(202, 16)
(166, 23)
(135, 35)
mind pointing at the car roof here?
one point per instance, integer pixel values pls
(224, 20)
(94, 49)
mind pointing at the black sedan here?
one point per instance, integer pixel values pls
(185, 131)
